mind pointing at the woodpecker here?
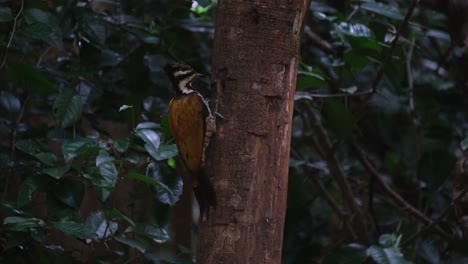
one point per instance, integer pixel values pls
(192, 125)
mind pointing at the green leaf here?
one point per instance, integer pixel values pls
(75, 229)
(27, 146)
(148, 125)
(28, 78)
(158, 235)
(382, 9)
(171, 187)
(10, 102)
(350, 254)
(146, 179)
(386, 255)
(29, 187)
(48, 158)
(93, 27)
(16, 223)
(165, 152)
(67, 108)
(355, 30)
(121, 145)
(56, 173)
(140, 246)
(100, 225)
(5, 14)
(115, 214)
(152, 141)
(107, 168)
(44, 26)
(75, 147)
(429, 252)
(464, 144)
(69, 192)
(125, 107)
(311, 79)
(132, 158)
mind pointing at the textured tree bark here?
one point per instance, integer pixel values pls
(256, 53)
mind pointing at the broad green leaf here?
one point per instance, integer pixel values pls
(386, 255)
(158, 235)
(69, 192)
(165, 152)
(148, 125)
(140, 246)
(125, 107)
(132, 158)
(152, 141)
(56, 173)
(146, 179)
(170, 187)
(464, 144)
(75, 147)
(75, 229)
(382, 9)
(9, 102)
(348, 255)
(121, 145)
(16, 223)
(100, 225)
(93, 27)
(429, 252)
(355, 30)
(44, 26)
(28, 78)
(48, 158)
(67, 108)
(27, 146)
(107, 168)
(29, 187)
(115, 214)
(5, 14)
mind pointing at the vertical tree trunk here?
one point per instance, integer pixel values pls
(256, 53)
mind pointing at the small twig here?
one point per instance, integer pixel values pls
(392, 47)
(334, 95)
(438, 220)
(12, 34)
(39, 61)
(388, 56)
(333, 204)
(411, 210)
(409, 73)
(337, 171)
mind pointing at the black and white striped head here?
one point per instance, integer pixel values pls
(181, 76)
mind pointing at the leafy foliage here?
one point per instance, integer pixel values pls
(84, 156)
(87, 158)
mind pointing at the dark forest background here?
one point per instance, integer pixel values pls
(89, 172)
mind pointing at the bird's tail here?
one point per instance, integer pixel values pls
(204, 193)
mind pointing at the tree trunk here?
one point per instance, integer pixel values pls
(256, 53)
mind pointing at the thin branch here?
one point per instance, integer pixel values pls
(409, 73)
(392, 47)
(388, 56)
(426, 228)
(411, 210)
(334, 95)
(333, 204)
(12, 34)
(336, 170)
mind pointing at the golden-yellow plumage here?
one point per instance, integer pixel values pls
(187, 123)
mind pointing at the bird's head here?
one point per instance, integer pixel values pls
(181, 76)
